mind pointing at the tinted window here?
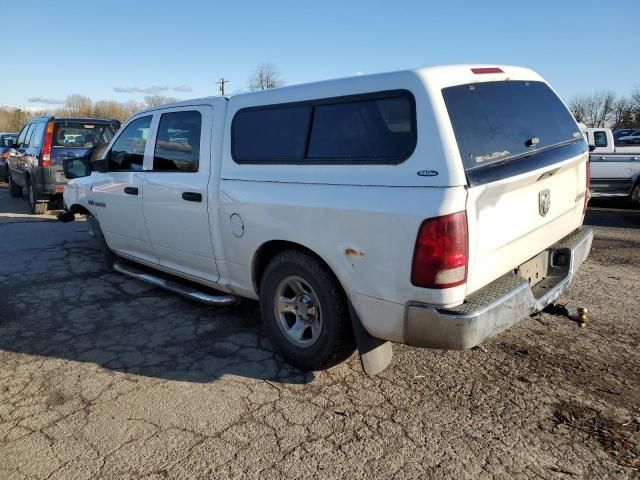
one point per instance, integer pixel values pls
(270, 134)
(7, 140)
(369, 128)
(498, 121)
(27, 137)
(127, 152)
(23, 133)
(38, 136)
(178, 142)
(82, 135)
(379, 129)
(600, 139)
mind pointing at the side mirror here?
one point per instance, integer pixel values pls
(592, 148)
(76, 167)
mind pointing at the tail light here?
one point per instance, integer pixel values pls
(440, 255)
(587, 193)
(45, 154)
(5, 155)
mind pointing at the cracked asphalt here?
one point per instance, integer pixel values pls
(102, 376)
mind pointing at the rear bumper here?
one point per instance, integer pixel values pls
(500, 304)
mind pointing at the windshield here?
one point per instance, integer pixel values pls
(82, 135)
(499, 121)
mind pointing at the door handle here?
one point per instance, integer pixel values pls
(635, 158)
(131, 190)
(192, 196)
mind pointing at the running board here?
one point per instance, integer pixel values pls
(175, 287)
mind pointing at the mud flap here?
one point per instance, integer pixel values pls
(375, 354)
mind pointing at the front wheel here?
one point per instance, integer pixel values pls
(635, 195)
(304, 311)
(15, 190)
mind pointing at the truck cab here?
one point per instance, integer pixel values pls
(615, 169)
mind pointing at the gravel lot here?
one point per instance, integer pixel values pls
(105, 377)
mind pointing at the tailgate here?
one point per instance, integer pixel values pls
(525, 162)
(512, 220)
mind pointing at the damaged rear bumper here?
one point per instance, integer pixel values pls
(500, 304)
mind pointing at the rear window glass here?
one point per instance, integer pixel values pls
(600, 139)
(81, 134)
(498, 121)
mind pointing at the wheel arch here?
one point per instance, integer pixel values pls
(268, 250)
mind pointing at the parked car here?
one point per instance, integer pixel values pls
(35, 162)
(624, 132)
(6, 143)
(434, 207)
(615, 168)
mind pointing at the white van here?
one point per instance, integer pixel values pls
(434, 207)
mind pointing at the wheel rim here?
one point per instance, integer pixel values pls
(297, 311)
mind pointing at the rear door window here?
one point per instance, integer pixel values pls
(496, 122)
(38, 136)
(178, 142)
(600, 139)
(29, 136)
(127, 153)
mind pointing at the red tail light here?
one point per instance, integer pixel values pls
(45, 154)
(440, 255)
(587, 193)
(5, 155)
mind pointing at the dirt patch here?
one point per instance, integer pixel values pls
(620, 440)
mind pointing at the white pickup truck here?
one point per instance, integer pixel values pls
(615, 169)
(433, 207)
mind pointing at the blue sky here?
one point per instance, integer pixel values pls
(90, 48)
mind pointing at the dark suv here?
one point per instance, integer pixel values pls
(35, 162)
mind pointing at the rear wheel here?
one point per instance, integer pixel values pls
(304, 311)
(37, 208)
(15, 190)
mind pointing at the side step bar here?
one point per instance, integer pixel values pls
(175, 287)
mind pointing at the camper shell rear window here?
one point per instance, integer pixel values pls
(496, 123)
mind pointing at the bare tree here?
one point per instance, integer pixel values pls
(78, 106)
(265, 77)
(594, 110)
(623, 114)
(155, 100)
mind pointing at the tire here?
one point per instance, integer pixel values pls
(316, 304)
(37, 208)
(108, 257)
(15, 190)
(635, 195)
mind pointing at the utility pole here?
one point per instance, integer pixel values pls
(221, 87)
